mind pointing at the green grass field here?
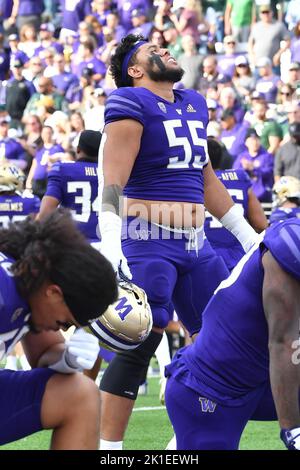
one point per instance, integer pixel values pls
(149, 429)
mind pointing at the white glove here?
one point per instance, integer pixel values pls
(291, 438)
(110, 226)
(81, 352)
(235, 222)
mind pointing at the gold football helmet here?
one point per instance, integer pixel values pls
(11, 178)
(287, 187)
(127, 322)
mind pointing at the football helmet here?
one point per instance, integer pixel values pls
(287, 187)
(127, 322)
(11, 178)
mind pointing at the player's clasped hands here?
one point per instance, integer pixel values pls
(81, 352)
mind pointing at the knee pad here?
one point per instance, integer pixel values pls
(128, 368)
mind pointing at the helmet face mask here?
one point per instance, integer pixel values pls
(285, 189)
(127, 322)
(11, 178)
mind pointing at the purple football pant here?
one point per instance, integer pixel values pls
(171, 275)
(21, 396)
(201, 424)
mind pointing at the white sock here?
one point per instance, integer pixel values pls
(162, 354)
(110, 445)
(11, 363)
(172, 445)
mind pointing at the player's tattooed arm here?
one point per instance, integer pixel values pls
(281, 302)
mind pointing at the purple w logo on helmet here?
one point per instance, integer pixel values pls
(124, 307)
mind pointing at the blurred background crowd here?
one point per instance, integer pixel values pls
(242, 55)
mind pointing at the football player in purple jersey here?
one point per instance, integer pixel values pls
(51, 278)
(245, 361)
(238, 185)
(74, 185)
(154, 151)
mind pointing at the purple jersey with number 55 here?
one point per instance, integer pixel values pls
(173, 149)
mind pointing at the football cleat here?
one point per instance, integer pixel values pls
(286, 188)
(11, 178)
(127, 322)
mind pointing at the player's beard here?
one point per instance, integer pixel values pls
(162, 73)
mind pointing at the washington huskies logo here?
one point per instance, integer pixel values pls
(207, 406)
(123, 308)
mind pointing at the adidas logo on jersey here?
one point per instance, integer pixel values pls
(190, 109)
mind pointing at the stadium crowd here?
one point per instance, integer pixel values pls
(242, 56)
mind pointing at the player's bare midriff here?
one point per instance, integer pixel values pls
(169, 213)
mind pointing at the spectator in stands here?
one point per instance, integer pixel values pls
(293, 115)
(233, 133)
(31, 139)
(228, 101)
(62, 79)
(47, 40)
(76, 127)
(47, 57)
(268, 82)
(287, 158)
(41, 164)
(11, 149)
(34, 71)
(242, 79)
(125, 9)
(265, 36)
(45, 97)
(140, 23)
(156, 37)
(191, 20)
(101, 9)
(15, 52)
(268, 130)
(226, 60)
(114, 27)
(18, 94)
(285, 109)
(28, 40)
(294, 75)
(173, 40)
(209, 77)
(259, 164)
(86, 58)
(190, 61)
(238, 18)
